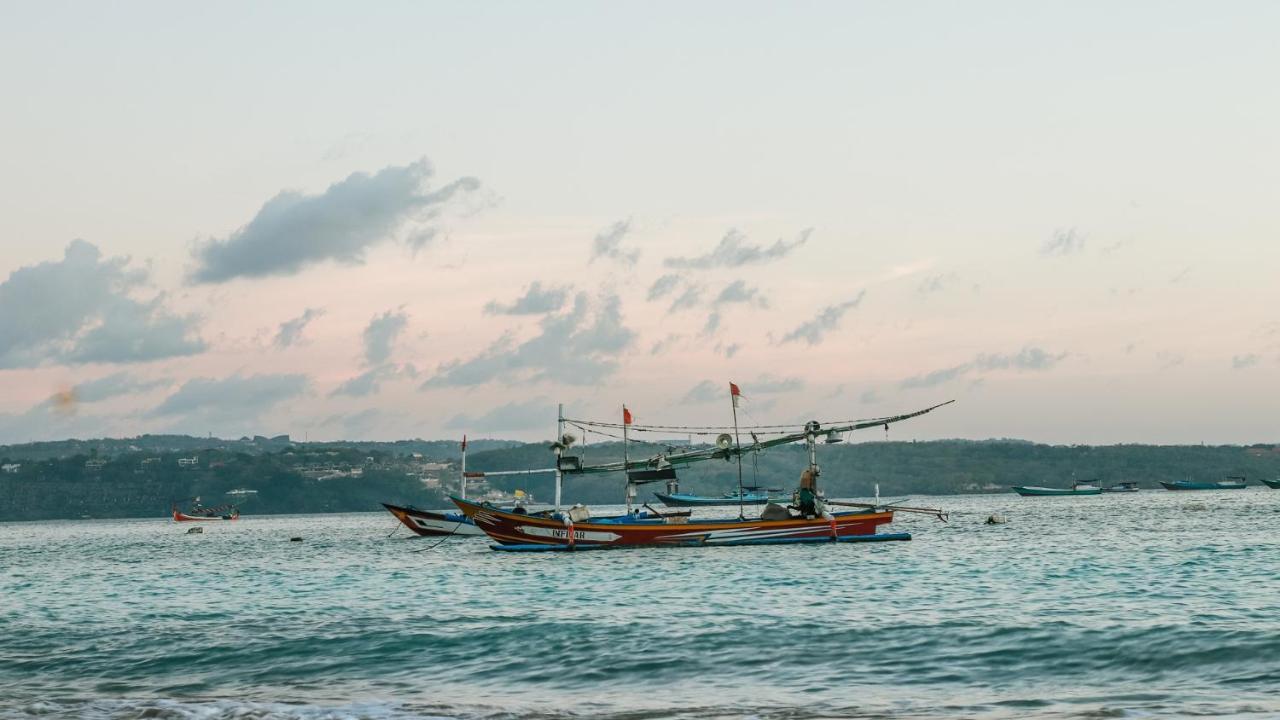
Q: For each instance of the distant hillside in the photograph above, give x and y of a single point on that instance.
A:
(257, 445)
(140, 477)
(902, 468)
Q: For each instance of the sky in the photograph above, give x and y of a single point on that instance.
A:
(393, 220)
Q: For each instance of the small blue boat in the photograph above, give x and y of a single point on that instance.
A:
(729, 498)
(1122, 487)
(1230, 483)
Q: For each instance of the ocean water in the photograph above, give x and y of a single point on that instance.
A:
(1155, 604)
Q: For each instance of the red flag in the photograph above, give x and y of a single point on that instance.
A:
(734, 393)
(464, 443)
(626, 415)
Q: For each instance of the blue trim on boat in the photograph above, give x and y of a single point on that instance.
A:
(878, 537)
(686, 500)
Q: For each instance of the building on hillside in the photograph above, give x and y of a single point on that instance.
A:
(11, 467)
(190, 462)
(95, 464)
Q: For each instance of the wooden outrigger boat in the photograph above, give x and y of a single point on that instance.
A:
(1229, 483)
(433, 522)
(1273, 484)
(575, 529)
(438, 523)
(1079, 488)
(528, 532)
(199, 513)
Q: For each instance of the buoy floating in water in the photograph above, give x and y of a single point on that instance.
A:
(295, 539)
(997, 519)
(195, 531)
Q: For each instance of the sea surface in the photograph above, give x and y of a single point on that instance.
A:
(1154, 604)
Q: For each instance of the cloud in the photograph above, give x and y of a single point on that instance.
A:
(1062, 243)
(665, 343)
(728, 350)
(869, 397)
(237, 399)
(814, 331)
(366, 383)
(513, 416)
(380, 336)
(768, 384)
(705, 392)
(935, 283)
(689, 299)
(937, 377)
(578, 347)
(1240, 362)
(293, 231)
(663, 286)
(421, 238)
(733, 252)
(712, 324)
(607, 242)
(738, 292)
(81, 309)
(535, 301)
(110, 386)
(1028, 359)
(290, 331)
(1169, 360)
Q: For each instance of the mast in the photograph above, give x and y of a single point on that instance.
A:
(734, 394)
(630, 488)
(559, 451)
(462, 479)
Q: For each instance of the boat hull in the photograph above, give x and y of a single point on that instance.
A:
(1186, 485)
(1273, 484)
(179, 516)
(1033, 491)
(433, 523)
(525, 530)
(680, 500)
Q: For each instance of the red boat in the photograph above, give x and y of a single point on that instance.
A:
(518, 531)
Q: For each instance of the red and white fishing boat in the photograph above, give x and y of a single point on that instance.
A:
(545, 531)
(575, 529)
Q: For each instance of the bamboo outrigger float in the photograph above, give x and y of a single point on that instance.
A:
(575, 529)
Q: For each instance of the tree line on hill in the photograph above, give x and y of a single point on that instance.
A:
(142, 477)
